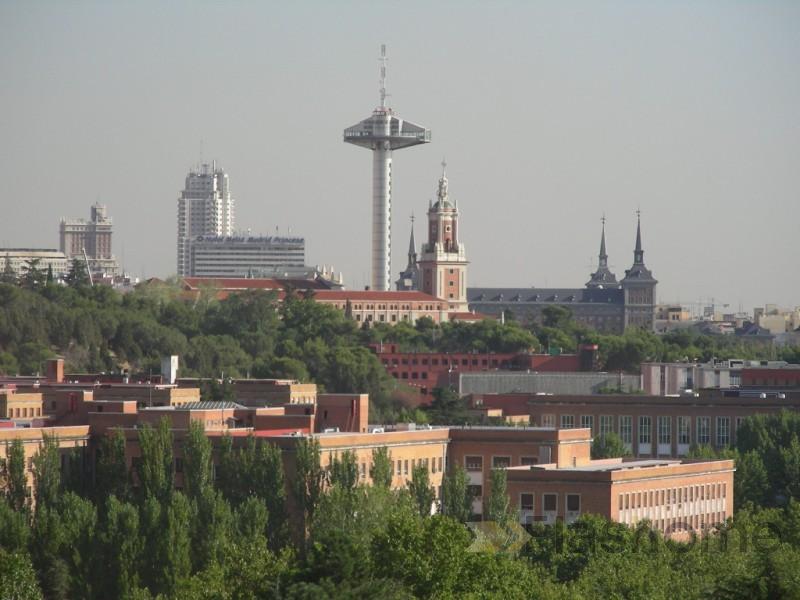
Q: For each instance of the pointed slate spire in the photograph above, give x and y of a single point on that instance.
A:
(638, 253)
(412, 245)
(638, 272)
(603, 277)
(603, 255)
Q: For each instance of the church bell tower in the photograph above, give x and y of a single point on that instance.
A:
(443, 262)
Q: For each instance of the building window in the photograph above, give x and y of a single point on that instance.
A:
(526, 461)
(664, 430)
(549, 502)
(573, 503)
(645, 435)
(606, 424)
(567, 421)
(526, 501)
(684, 435)
(723, 432)
(473, 463)
(703, 431)
(405, 467)
(626, 429)
(587, 421)
(501, 462)
(548, 420)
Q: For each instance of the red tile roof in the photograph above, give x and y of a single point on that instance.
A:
(194, 283)
(375, 296)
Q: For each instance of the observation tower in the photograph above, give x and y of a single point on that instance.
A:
(382, 133)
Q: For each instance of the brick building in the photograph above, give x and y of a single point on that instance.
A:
(551, 475)
(425, 371)
(650, 426)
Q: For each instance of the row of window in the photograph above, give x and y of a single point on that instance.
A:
(664, 428)
(572, 502)
(475, 462)
(673, 496)
(413, 375)
(483, 362)
(401, 467)
(24, 413)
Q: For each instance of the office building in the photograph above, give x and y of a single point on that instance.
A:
(18, 260)
(246, 256)
(205, 208)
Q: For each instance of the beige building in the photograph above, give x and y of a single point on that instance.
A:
(18, 259)
(93, 237)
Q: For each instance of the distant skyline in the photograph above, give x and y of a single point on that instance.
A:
(549, 114)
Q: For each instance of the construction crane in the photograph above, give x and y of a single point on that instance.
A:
(88, 270)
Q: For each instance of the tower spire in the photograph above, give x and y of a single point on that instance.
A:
(603, 255)
(412, 246)
(638, 253)
(602, 277)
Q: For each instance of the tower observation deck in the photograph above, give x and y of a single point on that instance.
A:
(382, 133)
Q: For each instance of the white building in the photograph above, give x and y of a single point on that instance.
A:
(17, 259)
(214, 256)
(205, 208)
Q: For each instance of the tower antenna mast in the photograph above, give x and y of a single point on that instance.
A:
(382, 60)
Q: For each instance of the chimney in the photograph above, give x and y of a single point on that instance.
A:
(54, 370)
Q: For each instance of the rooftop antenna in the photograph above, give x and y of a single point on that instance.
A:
(382, 61)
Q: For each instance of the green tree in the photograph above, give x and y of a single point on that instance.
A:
(8, 275)
(14, 475)
(8, 364)
(309, 480)
(32, 275)
(343, 471)
(497, 507)
(156, 465)
(111, 476)
(196, 461)
(15, 530)
(47, 471)
(175, 544)
(447, 407)
(121, 553)
(456, 499)
(271, 488)
(421, 491)
(381, 469)
(751, 483)
(77, 276)
(17, 577)
(609, 445)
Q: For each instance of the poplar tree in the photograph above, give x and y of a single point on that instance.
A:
(456, 499)
(421, 490)
(381, 469)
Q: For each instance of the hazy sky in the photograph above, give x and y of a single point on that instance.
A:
(549, 114)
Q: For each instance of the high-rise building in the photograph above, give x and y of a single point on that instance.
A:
(93, 237)
(382, 133)
(443, 261)
(205, 208)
